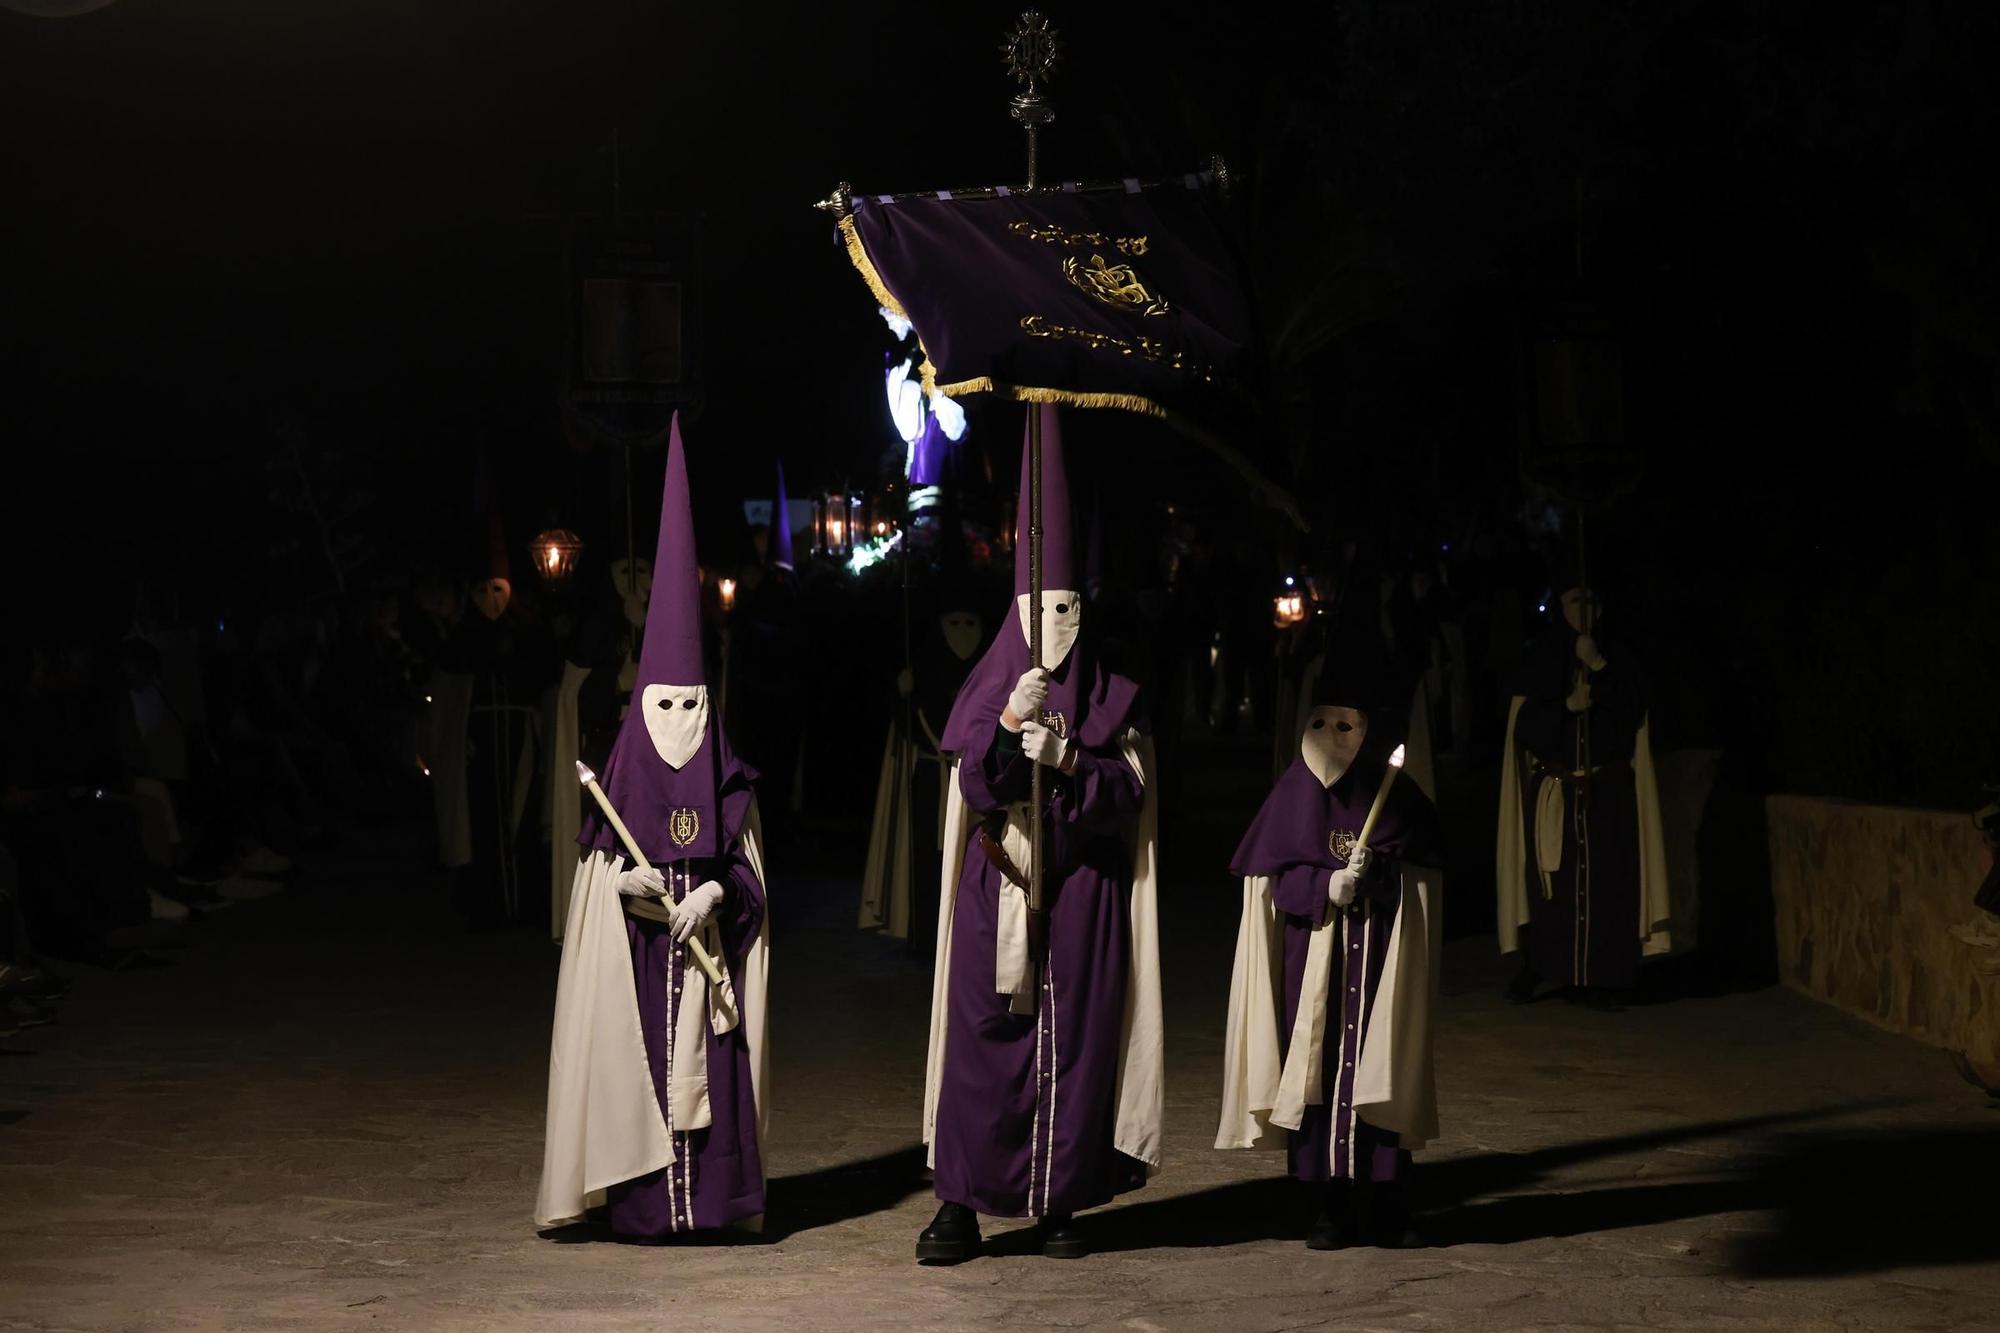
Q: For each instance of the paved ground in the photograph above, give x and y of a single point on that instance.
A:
(329, 1117)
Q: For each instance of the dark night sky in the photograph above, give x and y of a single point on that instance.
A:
(223, 221)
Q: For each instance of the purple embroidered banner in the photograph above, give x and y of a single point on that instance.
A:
(1127, 298)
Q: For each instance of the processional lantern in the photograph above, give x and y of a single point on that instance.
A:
(557, 552)
(835, 516)
(1288, 608)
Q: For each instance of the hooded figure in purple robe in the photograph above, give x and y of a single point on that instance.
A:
(1043, 1092)
(1580, 865)
(1329, 1029)
(656, 1126)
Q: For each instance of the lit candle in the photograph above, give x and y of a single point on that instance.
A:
(589, 780)
(727, 589)
(1381, 797)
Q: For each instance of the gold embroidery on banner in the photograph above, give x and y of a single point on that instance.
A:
(1116, 285)
(1341, 843)
(684, 826)
(1054, 235)
(1153, 349)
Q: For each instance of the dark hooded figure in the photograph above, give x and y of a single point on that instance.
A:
(656, 1125)
(496, 668)
(1329, 1031)
(1581, 862)
(1043, 1093)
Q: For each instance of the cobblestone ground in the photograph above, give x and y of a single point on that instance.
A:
(328, 1116)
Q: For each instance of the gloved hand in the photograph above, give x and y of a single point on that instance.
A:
(1586, 653)
(697, 907)
(905, 682)
(1346, 881)
(641, 882)
(1579, 698)
(1042, 745)
(1031, 691)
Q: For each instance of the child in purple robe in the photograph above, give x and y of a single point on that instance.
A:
(1330, 1004)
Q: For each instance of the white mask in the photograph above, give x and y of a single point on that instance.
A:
(1332, 738)
(1062, 618)
(634, 581)
(492, 596)
(962, 632)
(1574, 603)
(676, 719)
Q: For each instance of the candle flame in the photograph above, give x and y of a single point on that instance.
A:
(583, 773)
(1396, 759)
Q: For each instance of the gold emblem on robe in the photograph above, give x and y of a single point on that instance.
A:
(1056, 722)
(1341, 843)
(684, 826)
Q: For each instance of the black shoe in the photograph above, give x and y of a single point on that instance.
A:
(1602, 1000)
(1383, 1217)
(1521, 990)
(34, 982)
(1333, 1227)
(1062, 1238)
(20, 1013)
(951, 1238)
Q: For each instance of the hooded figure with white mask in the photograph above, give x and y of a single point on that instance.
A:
(657, 1125)
(1043, 1092)
(1580, 864)
(1329, 1027)
(904, 837)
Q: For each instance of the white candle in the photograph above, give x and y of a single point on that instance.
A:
(1381, 796)
(589, 780)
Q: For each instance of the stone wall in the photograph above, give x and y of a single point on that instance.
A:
(1875, 917)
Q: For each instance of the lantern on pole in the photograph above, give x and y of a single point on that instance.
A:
(835, 516)
(556, 554)
(1288, 608)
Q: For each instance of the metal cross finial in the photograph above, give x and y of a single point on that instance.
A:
(1031, 52)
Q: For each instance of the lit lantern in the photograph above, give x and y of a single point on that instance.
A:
(835, 518)
(1288, 608)
(726, 590)
(556, 554)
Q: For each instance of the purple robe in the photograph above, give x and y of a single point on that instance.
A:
(1027, 1102)
(1296, 839)
(1586, 931)
(717, 1175)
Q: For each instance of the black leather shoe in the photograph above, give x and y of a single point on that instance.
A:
(1062, 1238)
(1383, 1216)
(1521, 990)
(1602, 1000)
(951, 1238)
(1333, 1227)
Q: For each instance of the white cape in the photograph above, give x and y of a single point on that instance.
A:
(1510, 861)
(1267, 1081)
(565, 796)
(604, 1118)
(885, 875)
(1141, 1085)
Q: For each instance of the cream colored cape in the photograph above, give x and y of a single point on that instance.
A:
(565, 808)
(885, 875)
(1510, 863)
(1141, 1088)
(1269, 1077)
(444, 750)
(604, 1118)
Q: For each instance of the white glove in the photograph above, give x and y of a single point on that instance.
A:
(1586, 652)
(1579, 698)
(697, 907)
(641, 882)
(1042, 745)
(905, 682)
(1031, 691)
(1346, 881)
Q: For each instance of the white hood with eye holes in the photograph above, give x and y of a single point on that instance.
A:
(1332, 738)
(1062, 620)
(676, 719)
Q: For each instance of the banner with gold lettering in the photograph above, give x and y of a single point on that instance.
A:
(1126, 297)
